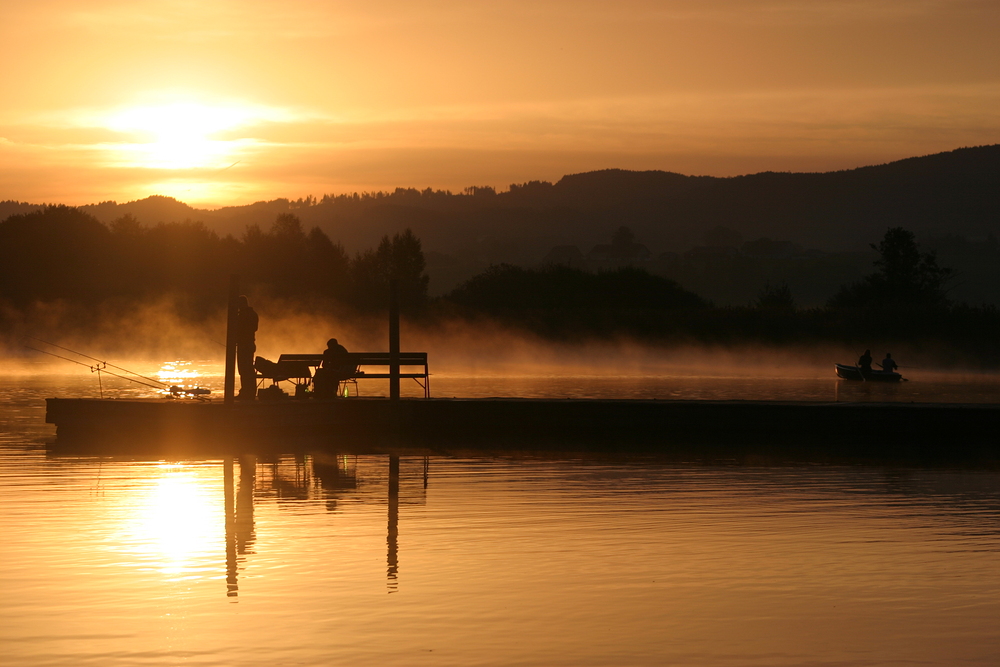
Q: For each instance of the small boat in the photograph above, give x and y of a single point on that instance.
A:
(854, 373)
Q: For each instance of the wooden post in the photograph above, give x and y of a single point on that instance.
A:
(234, 304)
(394, 340)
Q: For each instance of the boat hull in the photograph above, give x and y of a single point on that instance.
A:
(854, 373)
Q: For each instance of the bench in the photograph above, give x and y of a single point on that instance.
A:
(298, 368)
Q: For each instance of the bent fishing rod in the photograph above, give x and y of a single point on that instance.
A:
(102, 366)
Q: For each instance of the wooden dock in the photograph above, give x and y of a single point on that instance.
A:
(853, 430)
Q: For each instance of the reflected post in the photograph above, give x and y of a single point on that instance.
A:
(243, 520)
(392, 536)
(232, 587)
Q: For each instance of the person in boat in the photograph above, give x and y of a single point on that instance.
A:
(336, 366)
(246, 346)
(888, 364)
(865, 364)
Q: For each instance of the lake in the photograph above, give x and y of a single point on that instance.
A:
(328, 558)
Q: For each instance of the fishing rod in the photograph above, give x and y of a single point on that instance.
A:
(102, 367)
(102, 363)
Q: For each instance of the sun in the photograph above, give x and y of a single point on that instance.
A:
(179, 135)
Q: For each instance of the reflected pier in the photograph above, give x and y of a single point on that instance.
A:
(392, 530)
(332, 477)
(239, 516)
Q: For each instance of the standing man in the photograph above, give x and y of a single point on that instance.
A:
(246, 346)
(865, 362)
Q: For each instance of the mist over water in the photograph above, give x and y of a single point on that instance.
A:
(67, 381)
(480, 359)
(162, 330)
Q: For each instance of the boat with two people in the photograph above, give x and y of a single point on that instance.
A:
(851, 372)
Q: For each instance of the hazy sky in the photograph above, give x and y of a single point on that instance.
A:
(218, 102)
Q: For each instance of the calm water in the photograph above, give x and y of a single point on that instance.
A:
(320, 561)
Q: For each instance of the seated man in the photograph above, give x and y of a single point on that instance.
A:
(336, 366)
(888, 364)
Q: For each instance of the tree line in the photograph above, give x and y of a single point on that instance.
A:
(62, 253)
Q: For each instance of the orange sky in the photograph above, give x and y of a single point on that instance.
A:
(231, 102)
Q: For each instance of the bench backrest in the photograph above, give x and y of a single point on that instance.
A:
(362, 358)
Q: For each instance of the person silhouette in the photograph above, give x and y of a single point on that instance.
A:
(336, 366)
(888, 364)
(246, 346)
(865, 362)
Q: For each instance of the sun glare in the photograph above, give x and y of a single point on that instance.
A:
(180, 135)
(178, 521)
(177, 370)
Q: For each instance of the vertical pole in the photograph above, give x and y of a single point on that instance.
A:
(394, 340)
(234, 297)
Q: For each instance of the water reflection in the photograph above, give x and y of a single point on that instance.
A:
(334, 475)
(392, 536)
(653, 560)
(171, 519)
(239, 517)
(232, 586)
(244, 523)
(584, 560)
(302, 478)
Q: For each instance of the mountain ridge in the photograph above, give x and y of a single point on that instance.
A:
(933, 195)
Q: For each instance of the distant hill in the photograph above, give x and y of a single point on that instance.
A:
(933, 196)
(149, 210)
(11, 207)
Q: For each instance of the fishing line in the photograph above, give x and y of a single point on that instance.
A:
(99, 369)
(100, 361)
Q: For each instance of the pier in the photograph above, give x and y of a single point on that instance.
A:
(684, 429)
(669, 427)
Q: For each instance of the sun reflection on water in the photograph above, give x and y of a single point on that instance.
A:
(181, 376)
(177, 521)
(177, 370)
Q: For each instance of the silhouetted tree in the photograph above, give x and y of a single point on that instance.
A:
(58, 252)
(623, 239)
(481, 191)
(286, 252)
(723, 237)
(400, 258)
(328, 266)
(130, 246)
(776, 297)
(185, 259)
(505, 288)
(127, 226)
(906, 278)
